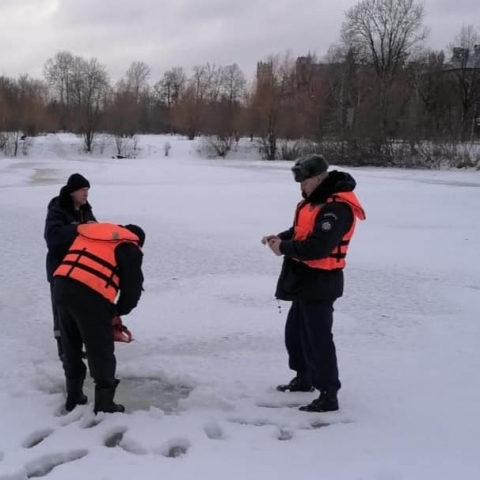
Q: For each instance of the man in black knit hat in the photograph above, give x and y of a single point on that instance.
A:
(65, 211)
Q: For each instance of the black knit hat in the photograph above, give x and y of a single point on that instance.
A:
(76, 182)
(136, 230)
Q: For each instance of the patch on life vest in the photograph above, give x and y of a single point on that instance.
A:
(326, 225)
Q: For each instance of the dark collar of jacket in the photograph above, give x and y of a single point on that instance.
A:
(336, 182)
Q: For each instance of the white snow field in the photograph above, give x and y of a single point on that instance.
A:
(199, 380)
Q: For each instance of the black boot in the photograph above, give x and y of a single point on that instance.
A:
(326, 402)
(75, 395)
(104, 394)
(297, 384)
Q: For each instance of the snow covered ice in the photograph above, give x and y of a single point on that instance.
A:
(198, 381)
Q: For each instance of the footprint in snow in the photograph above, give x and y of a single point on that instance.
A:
(323, 423)
(130, 445)
(115, 437)
(213, 431)
(90, 421)
(36, 438)
(284, 434)
(42, 466)
(176, 448)
(279, 404)
(258, 422)
(69, 417)
(320, 424)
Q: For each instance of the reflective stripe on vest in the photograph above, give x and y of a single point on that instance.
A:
(305, 218)
(91, 258)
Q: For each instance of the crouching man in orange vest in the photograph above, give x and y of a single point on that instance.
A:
(314, 251)
(100, 277)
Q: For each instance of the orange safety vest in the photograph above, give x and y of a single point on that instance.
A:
(91, 257)
(305, 217)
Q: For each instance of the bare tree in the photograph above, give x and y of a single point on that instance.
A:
(187, 112)
(136, 82)
(58, 74)
(167, 93)
(233, 83)
(201, 91)
(10, 116)
(344, 90)
(311, 79)
(199, 82)
(190, 111)
(169, 89)
(229, 113)
(22, 111)
(214, 80)
(90, 88)
(434, 98)
(137, 78)
(223, 109)
(464, 68)
(274, 88)
(32, 97)
(123, 112)
(383, 34)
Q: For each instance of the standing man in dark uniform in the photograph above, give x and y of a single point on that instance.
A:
(314, 251)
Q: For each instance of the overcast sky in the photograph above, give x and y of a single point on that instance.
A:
(169, 33)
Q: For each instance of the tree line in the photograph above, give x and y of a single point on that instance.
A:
(378, 97)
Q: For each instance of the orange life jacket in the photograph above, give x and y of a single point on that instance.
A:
(305, 217)
(91, 257)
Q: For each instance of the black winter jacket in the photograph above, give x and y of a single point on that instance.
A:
(61, 228)
(298, 281)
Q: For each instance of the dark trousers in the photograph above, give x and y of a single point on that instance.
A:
(56, 324)
(94, 329)
(56, 321)
(309, 342)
